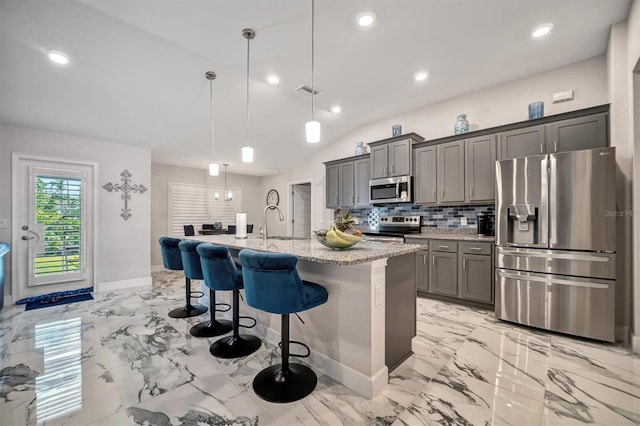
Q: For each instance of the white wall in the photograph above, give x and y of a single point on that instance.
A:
(487, 108)
(123, 246)
(253, 200)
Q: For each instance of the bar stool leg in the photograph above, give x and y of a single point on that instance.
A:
(213, 327)
(286, 382)
(189, 310)
(237, 345)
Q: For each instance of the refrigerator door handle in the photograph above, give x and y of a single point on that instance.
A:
(553, 256)
(553, 280)
(544, 214)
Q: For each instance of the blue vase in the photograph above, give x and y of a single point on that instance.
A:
(360, 148)
(536, 110)
(462, 125)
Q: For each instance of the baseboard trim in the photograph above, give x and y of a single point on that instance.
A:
(635, 344)
(8, 300)
(623, 334)
(123, 284)
(157, 268)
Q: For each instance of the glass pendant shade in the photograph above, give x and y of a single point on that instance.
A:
(247, 154)
(312, 129)
(214, 169)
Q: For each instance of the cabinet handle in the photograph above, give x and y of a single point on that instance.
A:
(464, 263)
(433, 261)
(443, 247)
(555, 146)
(475, 248)
(541, 148)
(471, 191)
(434, 195)
(442, 193)
(358, 199)
(384, 170)
(393, 169)
(424, 259)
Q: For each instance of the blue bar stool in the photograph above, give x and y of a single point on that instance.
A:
(172, 260)
(220, 274)
(272, 284)
(193, 271)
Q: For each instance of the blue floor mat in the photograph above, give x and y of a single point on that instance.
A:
(58, 300)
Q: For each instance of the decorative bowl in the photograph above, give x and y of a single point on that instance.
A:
(323, 240)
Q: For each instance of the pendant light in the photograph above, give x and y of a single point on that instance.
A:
(214, 168)
(312, 128)
(247, 151)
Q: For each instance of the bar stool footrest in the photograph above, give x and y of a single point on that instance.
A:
(274, 384)
(225, 305)
(196, 294)
(248, 318)
(297, 343)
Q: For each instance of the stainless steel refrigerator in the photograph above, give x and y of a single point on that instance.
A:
(556, 242)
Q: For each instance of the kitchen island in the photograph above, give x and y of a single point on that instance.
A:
(366, 328)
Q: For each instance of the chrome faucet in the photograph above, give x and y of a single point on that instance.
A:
(264, 219)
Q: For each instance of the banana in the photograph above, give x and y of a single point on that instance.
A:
(351, 238)
(335, 240)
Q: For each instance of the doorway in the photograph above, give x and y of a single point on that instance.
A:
(300, 224)
(52, 225)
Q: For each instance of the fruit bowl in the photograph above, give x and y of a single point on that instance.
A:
(341, 246)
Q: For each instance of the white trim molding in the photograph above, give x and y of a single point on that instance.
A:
(8, 300)
(157, 268)
(123, 284)
(635, 344)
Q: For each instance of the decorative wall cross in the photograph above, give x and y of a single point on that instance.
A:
(126, 189)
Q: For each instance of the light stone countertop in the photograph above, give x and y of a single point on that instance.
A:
(312, 251)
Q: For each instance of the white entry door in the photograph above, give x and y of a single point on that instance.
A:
(301, 218)
(52, 226)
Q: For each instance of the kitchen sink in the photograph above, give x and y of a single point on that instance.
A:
(287, 237)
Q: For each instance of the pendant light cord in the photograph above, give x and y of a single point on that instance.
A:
(248, 42)
(313, 20)
(213, 147)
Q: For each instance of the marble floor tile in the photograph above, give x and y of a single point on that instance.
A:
(127, 362)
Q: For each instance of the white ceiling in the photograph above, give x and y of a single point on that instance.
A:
(137, 70)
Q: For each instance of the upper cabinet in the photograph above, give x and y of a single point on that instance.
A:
(424, 168)
(347, 183)
(450, 171)
(392, 157)
(480, 168)
(571, 134)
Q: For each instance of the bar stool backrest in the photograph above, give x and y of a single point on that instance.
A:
(218, 269)
(171, 257)
(191, 259)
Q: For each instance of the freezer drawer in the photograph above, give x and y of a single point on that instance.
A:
(559, 262)
(578, 306)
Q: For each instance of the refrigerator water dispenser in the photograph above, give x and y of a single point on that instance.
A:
(523, 224)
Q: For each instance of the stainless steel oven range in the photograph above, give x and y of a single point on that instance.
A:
(394, 228)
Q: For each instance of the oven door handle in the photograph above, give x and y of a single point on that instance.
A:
(397, 190)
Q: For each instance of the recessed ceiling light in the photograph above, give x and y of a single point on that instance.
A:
(421, 75)
(58, 57)
(336, 109)
(366, 19)
(541, 30)
(273, 79)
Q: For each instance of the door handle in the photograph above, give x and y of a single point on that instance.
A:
(541, 148)
(555, 146)
(424, 259)
(384, 170)
(25, 238)
(471, 191)
(433, 261)
(475, 248)
(358, 199)
(464, 263)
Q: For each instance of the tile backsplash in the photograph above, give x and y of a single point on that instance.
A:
(432, 216)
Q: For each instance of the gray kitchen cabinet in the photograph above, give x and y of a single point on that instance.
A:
(400, 158)
(476, 277)
(480, 168)
(443, 273)
(424, 166)
(577, 133)
(522, 142)
(422, 270)
(379, 161)
(361, 182)
(333, 184)
(345, 191)
(450, 172)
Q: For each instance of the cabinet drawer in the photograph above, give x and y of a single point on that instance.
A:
(444, 245)
(420, 241)
(476, 248)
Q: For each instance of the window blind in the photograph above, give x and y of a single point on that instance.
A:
(197, 204)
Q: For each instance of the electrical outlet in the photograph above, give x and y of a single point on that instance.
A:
(379, 295)
(463, 221)
(3, 223)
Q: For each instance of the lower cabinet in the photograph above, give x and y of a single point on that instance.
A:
(458, 269)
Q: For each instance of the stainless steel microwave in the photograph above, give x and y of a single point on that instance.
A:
(391, 190)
